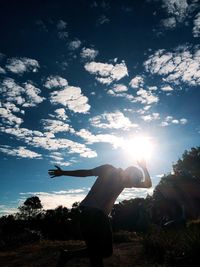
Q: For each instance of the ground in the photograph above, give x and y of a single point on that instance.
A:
(45, 254)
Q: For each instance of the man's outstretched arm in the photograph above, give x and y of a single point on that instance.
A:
(147, 179)
(77, 173)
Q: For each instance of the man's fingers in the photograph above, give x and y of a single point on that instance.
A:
(57, 167)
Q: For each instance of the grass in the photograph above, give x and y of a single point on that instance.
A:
(45, 254)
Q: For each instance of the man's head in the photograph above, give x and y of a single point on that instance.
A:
(133, 176)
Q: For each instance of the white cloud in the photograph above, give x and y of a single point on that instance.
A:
(90, 138)
(55, 81)
(146, 97)
(48, 141)
(63, 35)
(20, 152)
(170, 120)
(118, 88)
(177, 8)
(115, 120)
(61, 24)
(196, 28)
(137, 82)
(169, 23)
(181, 65)
(72, 98)
(151, 117)
(167, 88)
(183, 121)
(152, 88)
(74, 45)
(2, 71)
(89, 53)
(177, 12)
(32, 95)
(130, 193)
(51, 200)
(26, 96)
(60, 114)
(9, 118)
(21, 65)
(107, 73)
(55, 126)
(102, 20)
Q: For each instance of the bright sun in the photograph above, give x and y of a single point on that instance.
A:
(140, 147)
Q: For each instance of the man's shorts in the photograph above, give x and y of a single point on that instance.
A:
(96, 231)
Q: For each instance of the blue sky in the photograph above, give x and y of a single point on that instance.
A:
(80, 79)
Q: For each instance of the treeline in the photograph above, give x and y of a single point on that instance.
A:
(175, 200)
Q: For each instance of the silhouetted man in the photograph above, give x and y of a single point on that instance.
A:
(96, 206)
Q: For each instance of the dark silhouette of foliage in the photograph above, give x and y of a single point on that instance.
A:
(177, 196)
(31, 207)
(131, 215)
(189, 164)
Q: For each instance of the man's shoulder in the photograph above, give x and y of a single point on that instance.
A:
(103, 169)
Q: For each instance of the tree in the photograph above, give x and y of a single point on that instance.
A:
(31, 207)
(189, 164)
(177, 194)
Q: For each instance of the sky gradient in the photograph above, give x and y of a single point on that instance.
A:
(79, 79)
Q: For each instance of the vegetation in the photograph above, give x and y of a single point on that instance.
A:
(166, 224)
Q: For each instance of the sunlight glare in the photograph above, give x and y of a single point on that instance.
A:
(140, 147)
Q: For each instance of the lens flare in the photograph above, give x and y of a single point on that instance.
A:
(140, 147)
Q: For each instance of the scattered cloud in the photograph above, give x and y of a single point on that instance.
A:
(151, 117)
(48, 141)
(55, 82)
(60, 114)
(176, 8)
(102, 20)
(63, 35)
(196, 28)
(26, 95)
(137, 82)
(56, 126)
(180, 65)
(169, 23)
(20, 152)
(2, 71)
(21, 65)
(171, 120)
(167, 88)
(119, 88)
(9, 118)
(89, 53)
(41, 25)
(146, 97)
(72, 98)
(61, 24)
(115, 120)
(32, 95)
(74, 45)
(107, 73)
(90, 138)
(177, 12)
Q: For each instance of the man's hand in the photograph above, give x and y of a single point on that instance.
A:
(56, 172)
(142, 163)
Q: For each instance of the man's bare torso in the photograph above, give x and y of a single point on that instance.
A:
(106, 188)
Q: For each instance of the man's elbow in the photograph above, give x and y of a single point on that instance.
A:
(147, 185)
